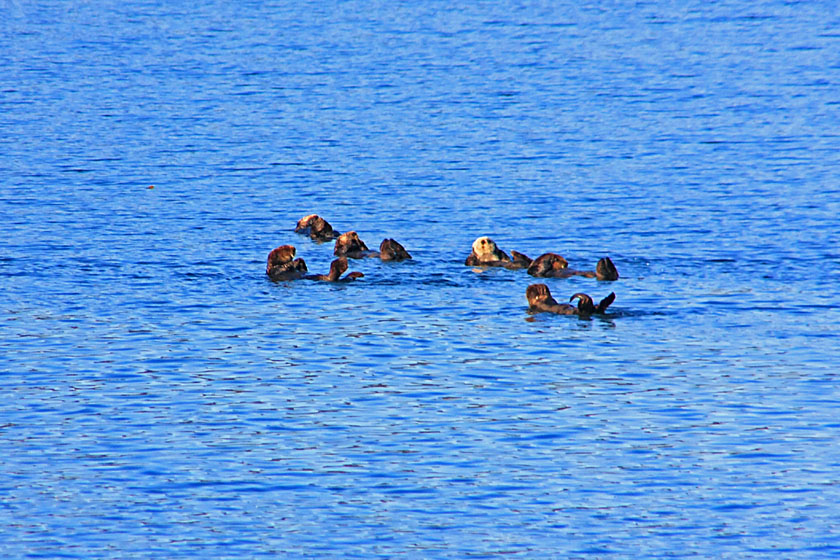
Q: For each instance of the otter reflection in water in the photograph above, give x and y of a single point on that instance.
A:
(540, 300)
(552, 265)
(281, 266)
(316, 227)
(486, 253)
(351, 245)
(337, 268)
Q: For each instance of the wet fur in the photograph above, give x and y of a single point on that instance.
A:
(540, 300)
(316, 227)
(337, 268)
(281, 264)
(552, 265)
(350, 245)
(485, 252)
(391, 250)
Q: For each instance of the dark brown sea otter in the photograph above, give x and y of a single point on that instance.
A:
(540, 300)
(337, 268)
(552, 265)
(350, 245)
(391, 250)
(486, 253)
(281, 266)
(316, 227)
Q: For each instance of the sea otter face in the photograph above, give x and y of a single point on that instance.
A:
(316, 227)
(349, 243)
(280, 265)
(547, 265)
(485, 250)
(306, 222)
(390, 250)
(539, 294)
(280, 256)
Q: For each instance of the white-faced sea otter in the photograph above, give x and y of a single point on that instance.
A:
(486, 253)
(350, 245)
(316, 227)
(552, 265)
(281, 266)
(540, 300)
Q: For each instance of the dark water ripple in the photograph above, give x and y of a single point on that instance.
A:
(162, 398)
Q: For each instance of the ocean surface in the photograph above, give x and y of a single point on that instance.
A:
(160, 397)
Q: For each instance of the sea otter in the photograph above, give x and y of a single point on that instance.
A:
(540, 300)
(280, 265)
(552, 265)
(316, 227)
(337, 268)
(350, 245)
(486, 253)
(390, 250)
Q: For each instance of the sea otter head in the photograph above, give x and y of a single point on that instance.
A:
(539, 295)
(485, 250)
(316, 227)
(280, 256)
(390, 250)
(547, 265)
(306, 222)
(349, 243)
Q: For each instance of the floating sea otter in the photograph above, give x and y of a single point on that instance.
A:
(281, 266)
(552, 265)
(337, 268)
(316, 227)
(391, 250)
(486, 253)
(540, 300)
(350, 245)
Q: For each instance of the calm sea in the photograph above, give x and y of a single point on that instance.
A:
(161, 398)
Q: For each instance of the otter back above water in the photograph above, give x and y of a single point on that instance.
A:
(163, 398)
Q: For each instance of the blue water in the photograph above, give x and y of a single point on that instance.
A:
(161, 398)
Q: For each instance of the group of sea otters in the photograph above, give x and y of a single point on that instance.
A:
(282, 265)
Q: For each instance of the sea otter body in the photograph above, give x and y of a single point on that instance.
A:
(552, 265)
(486, 253)
(282, 265)
(351, 246)
(316, 227)
(540, 300)
(337, 268)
